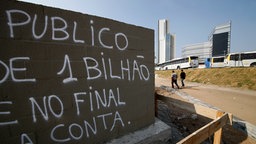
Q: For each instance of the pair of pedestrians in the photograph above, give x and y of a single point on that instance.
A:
(175, 77)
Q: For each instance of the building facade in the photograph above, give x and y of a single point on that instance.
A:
(218, 44)
(166, 42)
(221, 38)
(202, 50)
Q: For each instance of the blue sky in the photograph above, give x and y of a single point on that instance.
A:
(191, 20)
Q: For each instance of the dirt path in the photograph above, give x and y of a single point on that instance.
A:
(241, 103)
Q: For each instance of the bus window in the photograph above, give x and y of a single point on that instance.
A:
(193, 57)
(234, 57)
(220, 59)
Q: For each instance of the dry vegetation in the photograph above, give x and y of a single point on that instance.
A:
(244, 78)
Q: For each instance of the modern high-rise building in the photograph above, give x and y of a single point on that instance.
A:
(220, 38)
(218, 44)
(166, 42)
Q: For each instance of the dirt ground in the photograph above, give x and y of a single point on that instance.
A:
(241, 103)
(238, 102)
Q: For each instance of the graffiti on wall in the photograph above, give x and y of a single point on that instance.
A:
(88, 95)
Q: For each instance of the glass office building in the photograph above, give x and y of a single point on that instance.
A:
(218, 44)
(220, 38)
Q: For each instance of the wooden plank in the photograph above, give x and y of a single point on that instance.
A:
(218, 133)
(205, 111)
(206, 131)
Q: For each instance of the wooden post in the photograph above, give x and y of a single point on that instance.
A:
(218, 133)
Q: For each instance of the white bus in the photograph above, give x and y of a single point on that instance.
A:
(243, 59)
(217, 62)
(180, 63)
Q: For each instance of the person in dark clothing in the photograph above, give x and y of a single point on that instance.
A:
(174, 79)
(182, 77)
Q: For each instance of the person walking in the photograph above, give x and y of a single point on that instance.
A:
(182, 77)
(174, 79)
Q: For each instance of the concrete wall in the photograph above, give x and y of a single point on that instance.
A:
(67, 77)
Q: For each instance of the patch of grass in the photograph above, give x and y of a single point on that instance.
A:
(231, 77)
